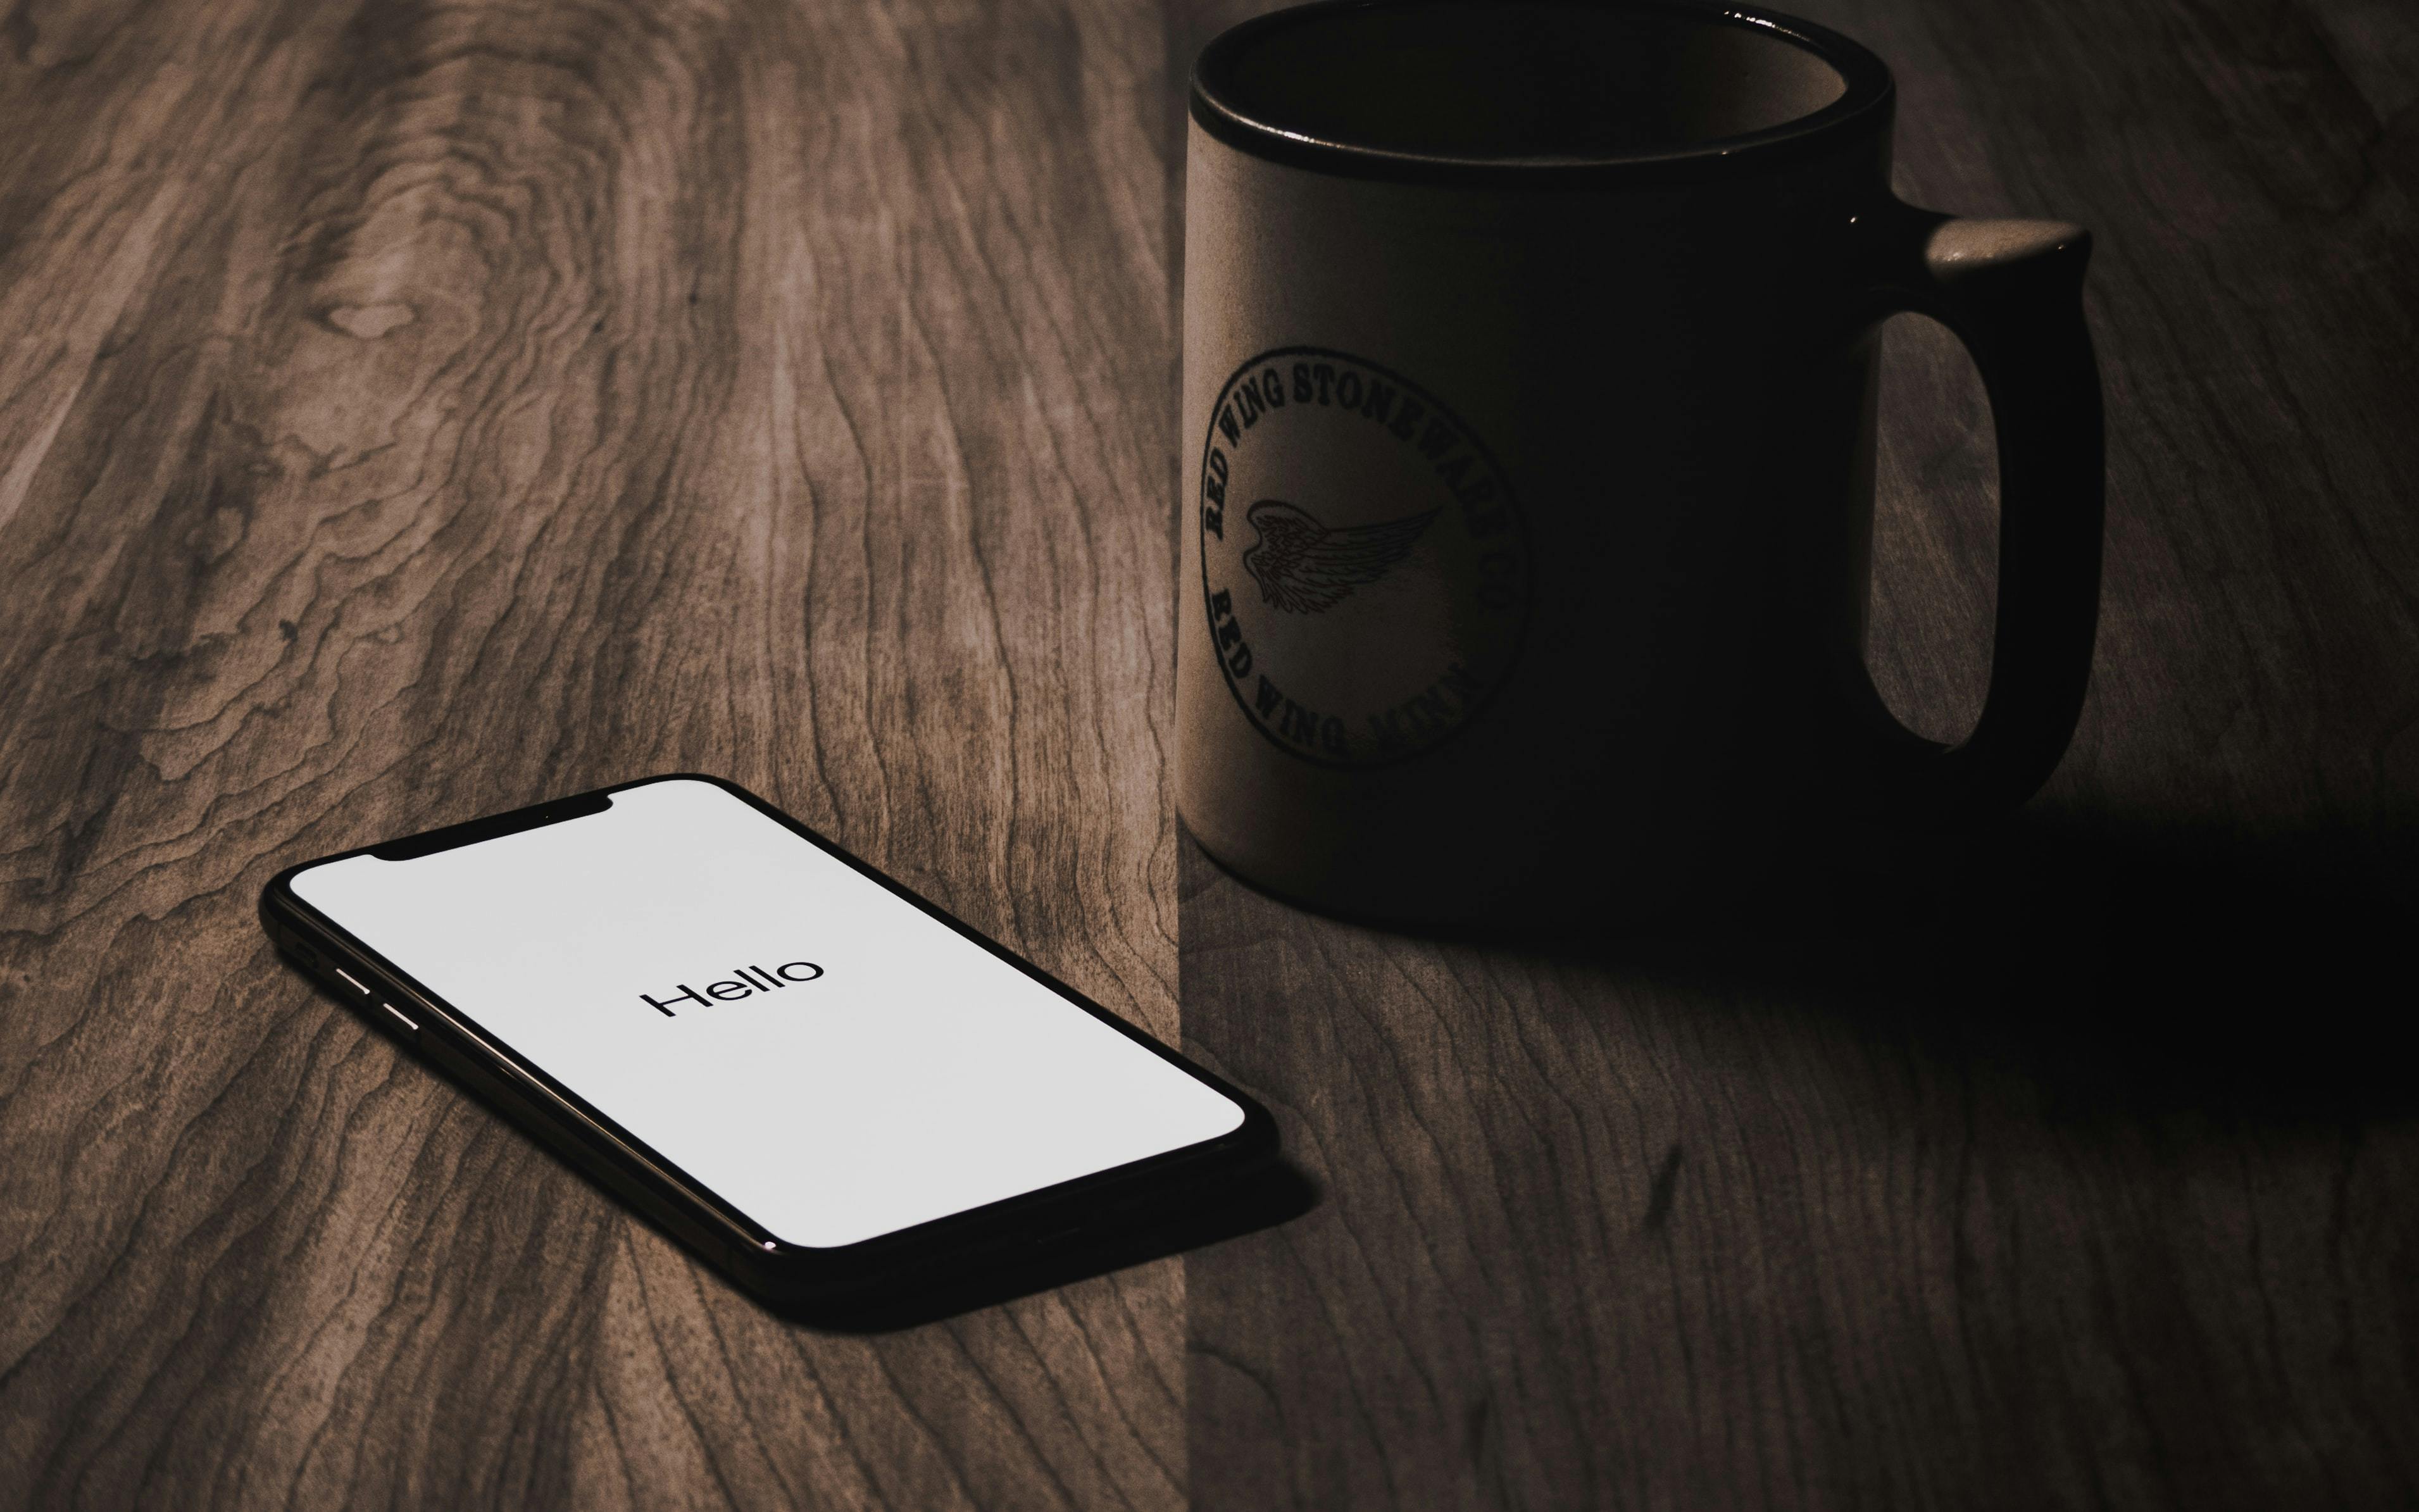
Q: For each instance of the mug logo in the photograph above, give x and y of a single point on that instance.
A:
(1304, 566)
(1363, 562)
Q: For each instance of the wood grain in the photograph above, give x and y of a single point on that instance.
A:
(409, 410)
(2072, 1165)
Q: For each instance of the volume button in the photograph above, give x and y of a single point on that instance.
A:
(399, 1018)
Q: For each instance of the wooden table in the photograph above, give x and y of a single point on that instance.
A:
(409, 410)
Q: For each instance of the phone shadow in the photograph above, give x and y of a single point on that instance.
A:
(1229, 1208)
(1277, 1194)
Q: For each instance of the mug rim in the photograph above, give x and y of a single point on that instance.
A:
(1869, 88)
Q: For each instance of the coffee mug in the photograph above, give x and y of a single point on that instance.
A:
(1529, 407)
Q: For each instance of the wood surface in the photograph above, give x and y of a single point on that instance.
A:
(411, 411)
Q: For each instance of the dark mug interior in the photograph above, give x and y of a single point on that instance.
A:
(1534, 82)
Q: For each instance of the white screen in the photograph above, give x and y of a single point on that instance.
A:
(918, 1075)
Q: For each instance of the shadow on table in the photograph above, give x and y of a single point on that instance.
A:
(1241, 1204)
(1277, 1195)
(2121, 962)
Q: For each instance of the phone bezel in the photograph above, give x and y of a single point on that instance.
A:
(662, 1190)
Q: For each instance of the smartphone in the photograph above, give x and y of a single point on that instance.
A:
(816, 1079)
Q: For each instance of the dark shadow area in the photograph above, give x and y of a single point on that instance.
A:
(2121, 965)
(2124, 965)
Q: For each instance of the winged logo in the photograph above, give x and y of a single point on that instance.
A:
(1305, 567)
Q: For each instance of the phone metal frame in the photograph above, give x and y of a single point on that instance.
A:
(631, 1170)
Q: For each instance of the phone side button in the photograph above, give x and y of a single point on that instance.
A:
(399, 1018)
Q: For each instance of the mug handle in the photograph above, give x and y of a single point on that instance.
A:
(2012, 292)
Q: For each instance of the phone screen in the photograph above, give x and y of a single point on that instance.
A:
(817, 1051)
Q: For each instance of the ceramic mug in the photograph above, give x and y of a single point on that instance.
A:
(1529, 407)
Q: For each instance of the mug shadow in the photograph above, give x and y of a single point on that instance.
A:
(2121, 962)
